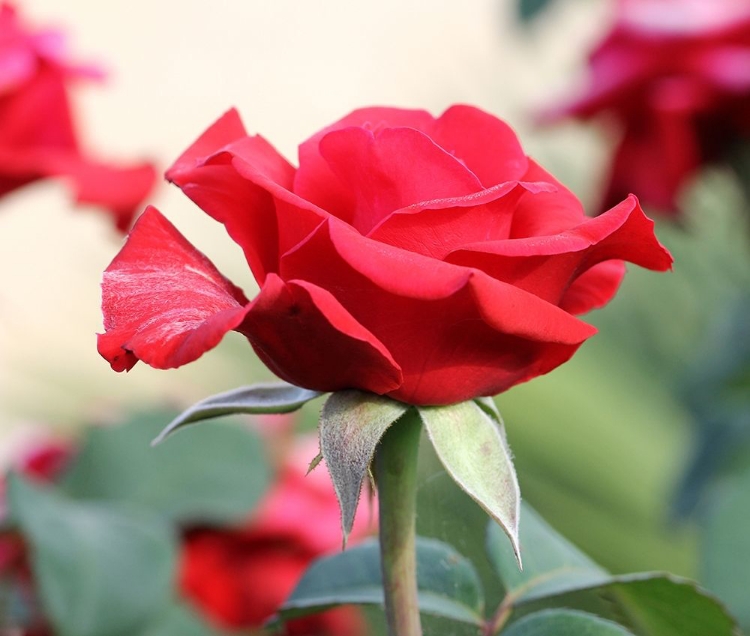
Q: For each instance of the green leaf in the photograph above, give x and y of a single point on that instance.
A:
(100, 569)
(178, 621)
(215, 474)
(472, 448)
(552, 565)
(351, 425)
(650, 604)
(725, 537)
(664, 605)
(564, 623)
(530, 9)
(262, 398)
(447, 582)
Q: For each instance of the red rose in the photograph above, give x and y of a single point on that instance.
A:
(239, 578)
(38, 137)
(426, 259)
(674, 77)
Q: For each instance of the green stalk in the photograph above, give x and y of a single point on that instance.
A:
(396, 478)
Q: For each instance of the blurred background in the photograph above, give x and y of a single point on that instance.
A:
(625, 449)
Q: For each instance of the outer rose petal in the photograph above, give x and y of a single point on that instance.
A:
(163, 301)
(225, 130)
(244, 183)
(594, 288)
(548, 266)
(304, 335)
(456, 333)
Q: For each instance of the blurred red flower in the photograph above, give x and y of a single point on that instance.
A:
(239, 577)
(38, 135)
(674, 78)
(236, 578)
(427, 259)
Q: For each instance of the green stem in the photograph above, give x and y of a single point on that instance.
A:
(501, 616)
(396, 478)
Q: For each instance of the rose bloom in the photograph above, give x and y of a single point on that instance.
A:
(429, 260)
(673, 79)
(238, 578)
(38, 135)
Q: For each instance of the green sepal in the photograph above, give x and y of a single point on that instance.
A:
(471, 445)
(351, 425)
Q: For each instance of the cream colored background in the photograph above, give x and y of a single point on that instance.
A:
(290, 66)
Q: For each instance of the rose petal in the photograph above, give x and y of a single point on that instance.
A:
(304, 335)
(546, 212)
(206, 173)
(163, 301)
(435, 228)
(315, 180)
(487, 146)
(726, 64)
(655, 157)
(548, 266)
(391, 169)
(118, 189)
(16, 66)
(39, 116)
(225, 130)
(594, 288)
(456, 332)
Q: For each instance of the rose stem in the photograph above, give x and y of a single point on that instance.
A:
(396, 478)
